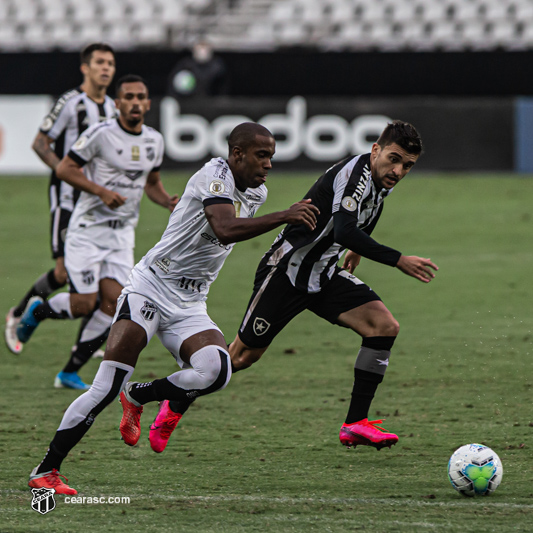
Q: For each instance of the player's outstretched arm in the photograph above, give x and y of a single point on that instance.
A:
(70, 172)
(42, 147)
(417, 267)
(156, 192)
(229, 229)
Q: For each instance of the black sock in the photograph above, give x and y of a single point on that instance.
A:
(43, 311)
(45, 285)
(364, 387)
(180, 406)
(158, 390)
(83, 351)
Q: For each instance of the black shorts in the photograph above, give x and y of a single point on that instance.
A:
(58, 231)
(275, 302)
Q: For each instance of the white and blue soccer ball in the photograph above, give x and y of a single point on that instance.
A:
(475, 469)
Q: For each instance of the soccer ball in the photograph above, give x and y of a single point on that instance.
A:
(474, 469)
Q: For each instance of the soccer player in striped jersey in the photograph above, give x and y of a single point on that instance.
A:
(73, 112)
(166, 294)
(300, 272)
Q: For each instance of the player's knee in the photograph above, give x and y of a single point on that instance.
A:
(390, 328)
(213, 366)
(245, 358)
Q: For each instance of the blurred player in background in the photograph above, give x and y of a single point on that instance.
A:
(166, 294)
(121, 159)
(300, 272)
(73, 112)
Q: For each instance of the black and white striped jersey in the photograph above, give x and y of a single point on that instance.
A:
(350, 205)
(72, 113)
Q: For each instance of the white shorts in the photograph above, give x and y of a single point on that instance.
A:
(87, 264)
(147, 301)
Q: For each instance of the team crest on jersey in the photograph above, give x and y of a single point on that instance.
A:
(260, 326)
(43, 500)
(80, 143)
(216, 187)
(87, 276)
(148, 310)
(150, 153)
(349, 203)
(135, 153)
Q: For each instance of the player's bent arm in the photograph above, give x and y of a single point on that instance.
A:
(70, 171)
(229, 229)
(156, 192)
(347, 234)
(42, 146)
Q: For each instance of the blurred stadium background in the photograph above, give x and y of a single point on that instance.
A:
(323, 74)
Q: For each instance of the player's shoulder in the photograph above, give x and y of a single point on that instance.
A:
(217, 168)
(65, 102)
(99, 128)
(151, 134)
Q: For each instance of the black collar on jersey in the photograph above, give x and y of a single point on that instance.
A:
(128, 131)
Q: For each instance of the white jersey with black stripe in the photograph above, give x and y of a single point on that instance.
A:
(119, 161)
(72, 113)
(189, 256)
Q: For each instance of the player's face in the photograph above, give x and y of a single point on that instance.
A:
(390, 164)
(133, 102)
(101, 68)
(252, 165)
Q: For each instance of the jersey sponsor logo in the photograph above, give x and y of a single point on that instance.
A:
(60, 103)
(150, 153)
(133, 174)
(349, 203)
(215, 241)
(252, 197)
(221, 171)
(217, 187)
(80, 143)
(135, 153)
(119, 151)
(148, 310)
(261, 326)
(43, 500)
(361, 186)
(87, 276)
(163, 264)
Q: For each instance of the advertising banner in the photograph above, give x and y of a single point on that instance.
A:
(20, 118)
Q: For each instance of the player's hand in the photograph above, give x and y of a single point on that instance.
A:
(417, 267)
(302, 212)
(111, 198)
(351, 261)
(173, 202)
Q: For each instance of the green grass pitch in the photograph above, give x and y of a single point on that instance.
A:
(263, 455)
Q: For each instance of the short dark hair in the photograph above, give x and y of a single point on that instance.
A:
(244, 135)
(87, 52)
(404, 135)
(128, 78)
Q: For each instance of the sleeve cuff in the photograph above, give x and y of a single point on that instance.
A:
(75, 157)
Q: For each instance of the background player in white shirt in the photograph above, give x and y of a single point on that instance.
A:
(121, 159)
(73, 112)
(165, 295)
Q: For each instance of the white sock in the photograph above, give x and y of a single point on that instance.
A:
(97, 326)
(108, 382)
(61, 303)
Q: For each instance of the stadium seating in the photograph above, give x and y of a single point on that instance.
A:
(386, 25)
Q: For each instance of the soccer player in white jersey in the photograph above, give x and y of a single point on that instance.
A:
(300, 272)
(165, 295)
(121, 160)
(73, 112)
